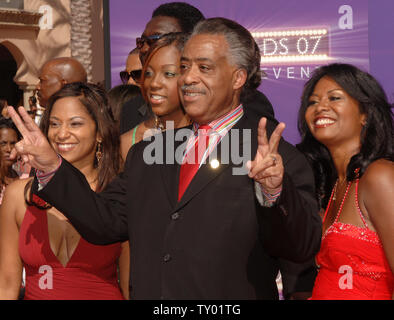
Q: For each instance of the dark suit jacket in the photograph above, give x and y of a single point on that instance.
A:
(217, 242)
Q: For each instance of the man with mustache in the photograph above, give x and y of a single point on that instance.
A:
(198, 231)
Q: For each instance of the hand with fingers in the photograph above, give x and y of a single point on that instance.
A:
(34, 148)
(267, 167)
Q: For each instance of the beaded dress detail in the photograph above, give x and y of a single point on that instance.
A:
(353, 265)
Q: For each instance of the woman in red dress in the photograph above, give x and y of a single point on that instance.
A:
(59, 264)
(346, 125)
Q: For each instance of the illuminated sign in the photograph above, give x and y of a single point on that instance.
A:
(308, 45)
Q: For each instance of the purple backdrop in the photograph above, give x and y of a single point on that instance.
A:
(347, 39)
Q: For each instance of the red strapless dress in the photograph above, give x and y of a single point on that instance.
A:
(90, 274)
(352, 263)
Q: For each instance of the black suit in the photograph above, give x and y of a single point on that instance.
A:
(217, 242)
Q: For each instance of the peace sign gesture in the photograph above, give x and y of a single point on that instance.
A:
(267, 166)
(34, 148)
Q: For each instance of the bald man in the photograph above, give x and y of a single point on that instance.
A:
(55, 73)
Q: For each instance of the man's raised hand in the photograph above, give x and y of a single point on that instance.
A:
(34, 148)
(267, 166)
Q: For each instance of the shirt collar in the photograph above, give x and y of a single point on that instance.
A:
(225, 122)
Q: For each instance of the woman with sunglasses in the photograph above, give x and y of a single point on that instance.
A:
(132, 74)
(59, 263)
(159, 88)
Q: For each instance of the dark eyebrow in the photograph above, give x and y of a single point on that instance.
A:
(185, 59)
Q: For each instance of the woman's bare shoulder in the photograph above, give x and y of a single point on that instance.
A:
(16, 188)
(379, 173)
(376, 189)
(13, 203)
(126, 135)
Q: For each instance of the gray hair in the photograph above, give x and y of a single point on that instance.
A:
(243, 49)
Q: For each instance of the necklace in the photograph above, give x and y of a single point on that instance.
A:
(159, 124)
(333, 199)
(336, 187)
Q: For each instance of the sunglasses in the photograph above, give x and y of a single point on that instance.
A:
(134, 74)
(149, 40)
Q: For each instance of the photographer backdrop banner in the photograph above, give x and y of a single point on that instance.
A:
(294, 37)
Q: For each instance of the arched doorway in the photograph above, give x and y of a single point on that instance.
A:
(9, 90)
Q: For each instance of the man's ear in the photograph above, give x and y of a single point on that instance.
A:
(240, 76)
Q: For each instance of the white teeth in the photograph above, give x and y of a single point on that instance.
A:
(192, 94)
(156, 97)
(65, 146)
(324, 121)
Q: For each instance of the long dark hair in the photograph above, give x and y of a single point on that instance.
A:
(118, 95)
(94, 99)
(376, 137)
